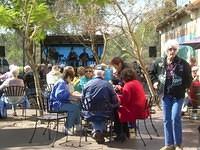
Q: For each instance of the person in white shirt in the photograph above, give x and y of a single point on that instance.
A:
(54, 75)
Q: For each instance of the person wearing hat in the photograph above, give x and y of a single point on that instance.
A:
(171, 76)
(98, 101)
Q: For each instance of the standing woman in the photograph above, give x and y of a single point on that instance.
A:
(172, 76)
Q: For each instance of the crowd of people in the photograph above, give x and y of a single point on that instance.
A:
(117, 91)
(72, 87)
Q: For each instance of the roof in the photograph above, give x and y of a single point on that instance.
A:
(71, 39)
(195, 43)
(179, 14)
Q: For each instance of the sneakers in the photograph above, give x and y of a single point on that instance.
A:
(78, 128)
(171, 147)
(98, 136)
(178, 148)
(68, 131)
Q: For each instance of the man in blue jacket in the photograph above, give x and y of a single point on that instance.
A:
(98, 103)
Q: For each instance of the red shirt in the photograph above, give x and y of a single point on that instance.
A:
(194, 90)
(132, 102)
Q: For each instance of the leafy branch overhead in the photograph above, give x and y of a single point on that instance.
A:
(32, 16)
(30, 19)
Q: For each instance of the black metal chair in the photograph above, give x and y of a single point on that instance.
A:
(148, 105)
(49, 116)
(14, 95)
(85, 123)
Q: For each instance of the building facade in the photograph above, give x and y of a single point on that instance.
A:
(182, 25)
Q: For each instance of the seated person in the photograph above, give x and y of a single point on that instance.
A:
(72, 58)
(13, 81)
(84, 57)
(85, 78)
(132, 103)
(76, 81)
(59, 100)
(29, 81)
(54, 75)
(7, 74)
(194, 91)
(102, 101)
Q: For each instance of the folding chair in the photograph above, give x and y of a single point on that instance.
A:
(49, 117)
(14, 95)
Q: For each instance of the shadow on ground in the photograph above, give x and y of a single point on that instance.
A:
(22, 137)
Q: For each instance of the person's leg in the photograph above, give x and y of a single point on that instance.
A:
(73, 116)
(126, 130)
(98, 125)
(118, 129)
(167, 113)
(14, 110)
(176, 120)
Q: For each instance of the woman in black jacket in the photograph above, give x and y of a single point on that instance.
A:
(171, 76)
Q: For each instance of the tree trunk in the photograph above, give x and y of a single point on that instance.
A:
(104, 48)
(94, 48)
(149, 83)
(28, 53)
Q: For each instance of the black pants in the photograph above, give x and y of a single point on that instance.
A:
(120, 128)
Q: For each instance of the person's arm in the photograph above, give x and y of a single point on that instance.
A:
(114, 99)
(62, 92)
(187, 76)
(4, 84)
(153, 72)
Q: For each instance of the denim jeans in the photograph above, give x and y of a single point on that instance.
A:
(172, 120)
(73, 111)
(98, 125)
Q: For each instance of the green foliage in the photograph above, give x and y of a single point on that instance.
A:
(31, 15)
(13, 46)
(30, 18)
(6, 17)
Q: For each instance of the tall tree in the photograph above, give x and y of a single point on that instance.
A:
(30, 19)
(133, 22)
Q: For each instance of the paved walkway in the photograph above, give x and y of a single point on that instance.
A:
(15, 133)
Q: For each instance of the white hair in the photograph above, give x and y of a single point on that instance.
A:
(99, 73)
(27, 68)
(171, 44)
(15, 71)
(12, 66)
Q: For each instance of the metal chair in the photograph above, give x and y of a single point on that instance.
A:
(148, 104)
(49, 116)
(14, 95)
(86, 127)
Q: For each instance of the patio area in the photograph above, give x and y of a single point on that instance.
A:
(15, 133)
